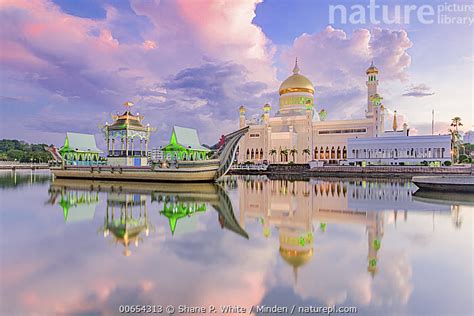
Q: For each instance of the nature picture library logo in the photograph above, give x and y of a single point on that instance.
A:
(448, 13)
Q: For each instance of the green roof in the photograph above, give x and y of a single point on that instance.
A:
(187, 138)
(80, 143)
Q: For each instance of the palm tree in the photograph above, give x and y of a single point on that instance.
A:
(455, 137)
(293, 153)
(455, 143)
(272, 153)
(456, 122)
(284, 152)
(306, 152)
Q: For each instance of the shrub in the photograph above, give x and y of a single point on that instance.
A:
(447, 163)
(291, 163)
(464, 158)
(424, 163)
(401, 163)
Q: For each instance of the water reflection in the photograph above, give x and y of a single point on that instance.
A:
(293, 207)
(374, 244)
(126, 214)
(13, 179)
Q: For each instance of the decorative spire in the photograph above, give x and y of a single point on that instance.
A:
(128, 104)
(372, 64)
(296, 69)
(395, 125)
(295, 275)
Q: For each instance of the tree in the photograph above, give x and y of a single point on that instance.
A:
(273, 153)
(293, 153)
(455, 137)
(15, 154)
(456, 122)
(284, 152)
(306, 152)
(455, 143)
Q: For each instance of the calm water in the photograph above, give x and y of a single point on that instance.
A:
(83, 248)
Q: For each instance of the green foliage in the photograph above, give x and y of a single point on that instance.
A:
(447, 163)
(12, 149)
(464, 158)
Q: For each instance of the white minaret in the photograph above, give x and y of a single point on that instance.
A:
(242, 117)
(372, 84)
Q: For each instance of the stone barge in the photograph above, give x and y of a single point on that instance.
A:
(179, 171)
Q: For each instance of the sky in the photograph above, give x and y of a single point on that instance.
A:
(69, 65)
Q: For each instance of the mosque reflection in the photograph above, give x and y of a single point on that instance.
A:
(294, 207)
(127, 218)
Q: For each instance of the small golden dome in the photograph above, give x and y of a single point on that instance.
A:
(372, 69)
(296, 83)
(242, 109)
(296, 258)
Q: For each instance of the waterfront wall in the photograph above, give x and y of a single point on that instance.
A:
(355, 171)
(14, 165)
(384, 171)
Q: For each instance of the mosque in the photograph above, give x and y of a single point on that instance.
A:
(299, 133)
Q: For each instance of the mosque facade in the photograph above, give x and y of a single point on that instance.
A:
(299, 132)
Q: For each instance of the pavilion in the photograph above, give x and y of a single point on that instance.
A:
(133, 137)
(80, 149)
(185, 145)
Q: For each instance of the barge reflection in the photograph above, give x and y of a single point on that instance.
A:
(127, 211)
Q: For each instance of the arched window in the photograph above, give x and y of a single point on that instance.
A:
(333, 153)
(315, 152)
(338, 152)
(248, 154)
(261, 153)
(344, 153)
(327, 152)
(252, 154)
(321, 153)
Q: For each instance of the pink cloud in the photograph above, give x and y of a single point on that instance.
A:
(336, 64)
(149, 45)
(332, 57)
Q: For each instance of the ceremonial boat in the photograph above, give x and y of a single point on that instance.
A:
(165, 171)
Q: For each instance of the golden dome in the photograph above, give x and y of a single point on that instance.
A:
(296, 83)
(296, 258)
(372, 69)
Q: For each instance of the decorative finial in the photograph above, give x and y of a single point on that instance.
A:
(395, 125)
(372, 64)
(128, 104)
(296, 69)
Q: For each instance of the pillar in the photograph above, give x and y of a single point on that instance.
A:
(126, 146)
